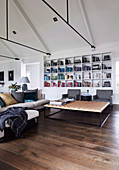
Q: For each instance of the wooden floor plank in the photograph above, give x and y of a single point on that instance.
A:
(4, 166)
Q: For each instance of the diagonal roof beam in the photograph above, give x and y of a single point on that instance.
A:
(30, 24)
(9, 49)
(86, 20)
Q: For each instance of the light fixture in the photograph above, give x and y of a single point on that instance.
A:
(14, 32)
(3, 56)
(24, 80)
(55, 19)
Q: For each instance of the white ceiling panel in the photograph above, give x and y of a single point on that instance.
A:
(103, 16)
(2, 18)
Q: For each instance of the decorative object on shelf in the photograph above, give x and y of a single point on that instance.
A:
(77, 61)
(14, 87)
(53, 63)
(11, 75)
(95, 59)
(2, 76)
(24, 80)
(106, 57)
(96, 67)
(107, 84)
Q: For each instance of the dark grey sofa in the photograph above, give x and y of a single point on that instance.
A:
(104, 96)
(38, 104)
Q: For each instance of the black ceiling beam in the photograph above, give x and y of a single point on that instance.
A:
(67, 1)
(23, 45)
(92, 46)
(7, 19)
(3, 56)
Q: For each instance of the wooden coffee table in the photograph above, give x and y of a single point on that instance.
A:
(83, 106)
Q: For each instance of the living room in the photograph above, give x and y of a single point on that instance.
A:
(49, 41)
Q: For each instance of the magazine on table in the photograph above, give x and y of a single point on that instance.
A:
(61, 101)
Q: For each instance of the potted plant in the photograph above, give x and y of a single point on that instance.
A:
(14, 87)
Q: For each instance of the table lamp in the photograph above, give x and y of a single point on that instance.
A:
(24, 80)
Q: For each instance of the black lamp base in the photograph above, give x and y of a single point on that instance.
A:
(24, 87)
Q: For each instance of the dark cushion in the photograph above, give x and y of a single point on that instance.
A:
(31, 95)
(18, 96)
(105, 94)
(74, 93)
(101, 100)
(2, 104)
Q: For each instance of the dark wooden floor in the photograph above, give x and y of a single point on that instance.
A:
(64, 145)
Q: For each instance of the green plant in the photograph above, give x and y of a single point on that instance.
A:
(14, 86)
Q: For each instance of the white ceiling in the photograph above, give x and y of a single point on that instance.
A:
(96, 20)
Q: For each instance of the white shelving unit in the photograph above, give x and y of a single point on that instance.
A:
(80, 71)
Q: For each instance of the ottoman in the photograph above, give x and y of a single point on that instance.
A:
(32, 114)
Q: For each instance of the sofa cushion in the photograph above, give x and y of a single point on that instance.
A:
(102, 100)
(74, 93)
(32, 114)
(105, 94)
(2, 104)
(31, 95)
(27, 104)
(39, 94)
(41, 102)
(8, 99)
(18, 96)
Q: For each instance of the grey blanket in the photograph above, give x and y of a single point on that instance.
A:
(17, 119)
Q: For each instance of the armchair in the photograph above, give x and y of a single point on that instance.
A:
(104, 96)
(72, 93)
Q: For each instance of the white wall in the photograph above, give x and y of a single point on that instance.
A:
(9, 66)
(56, 92)
(39, 59)
(33, 72)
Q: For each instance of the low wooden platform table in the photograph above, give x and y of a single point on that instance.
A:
(83, 106)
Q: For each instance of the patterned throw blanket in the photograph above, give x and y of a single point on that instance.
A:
(16, 118)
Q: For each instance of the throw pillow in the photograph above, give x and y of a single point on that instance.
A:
(31, 95)
(29, 101)
(18, 96)
(2, 104)
(8, 99)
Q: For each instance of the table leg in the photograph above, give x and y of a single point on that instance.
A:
(46, 116)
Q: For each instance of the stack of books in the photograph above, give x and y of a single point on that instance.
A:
(61, 101)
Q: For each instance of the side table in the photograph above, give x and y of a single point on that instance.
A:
(86, 97)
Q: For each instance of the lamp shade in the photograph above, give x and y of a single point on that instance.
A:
(24, 80)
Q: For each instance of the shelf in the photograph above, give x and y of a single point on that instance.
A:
(96, 70)
(97, 79)
(107, 79)
(106, 61)
(106, 69)
(78, 68)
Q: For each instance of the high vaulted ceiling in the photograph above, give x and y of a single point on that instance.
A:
(96, 20)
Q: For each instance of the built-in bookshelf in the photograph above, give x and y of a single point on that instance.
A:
(80, 71)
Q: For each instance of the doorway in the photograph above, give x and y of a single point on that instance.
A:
(33, 73)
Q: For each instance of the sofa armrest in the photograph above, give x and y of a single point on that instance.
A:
(95, 97)
(78, 97)
(111, 100)
(42, 96)
(64, 96)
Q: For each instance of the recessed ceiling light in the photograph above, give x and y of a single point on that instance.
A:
(55, 19)
(14, 32)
